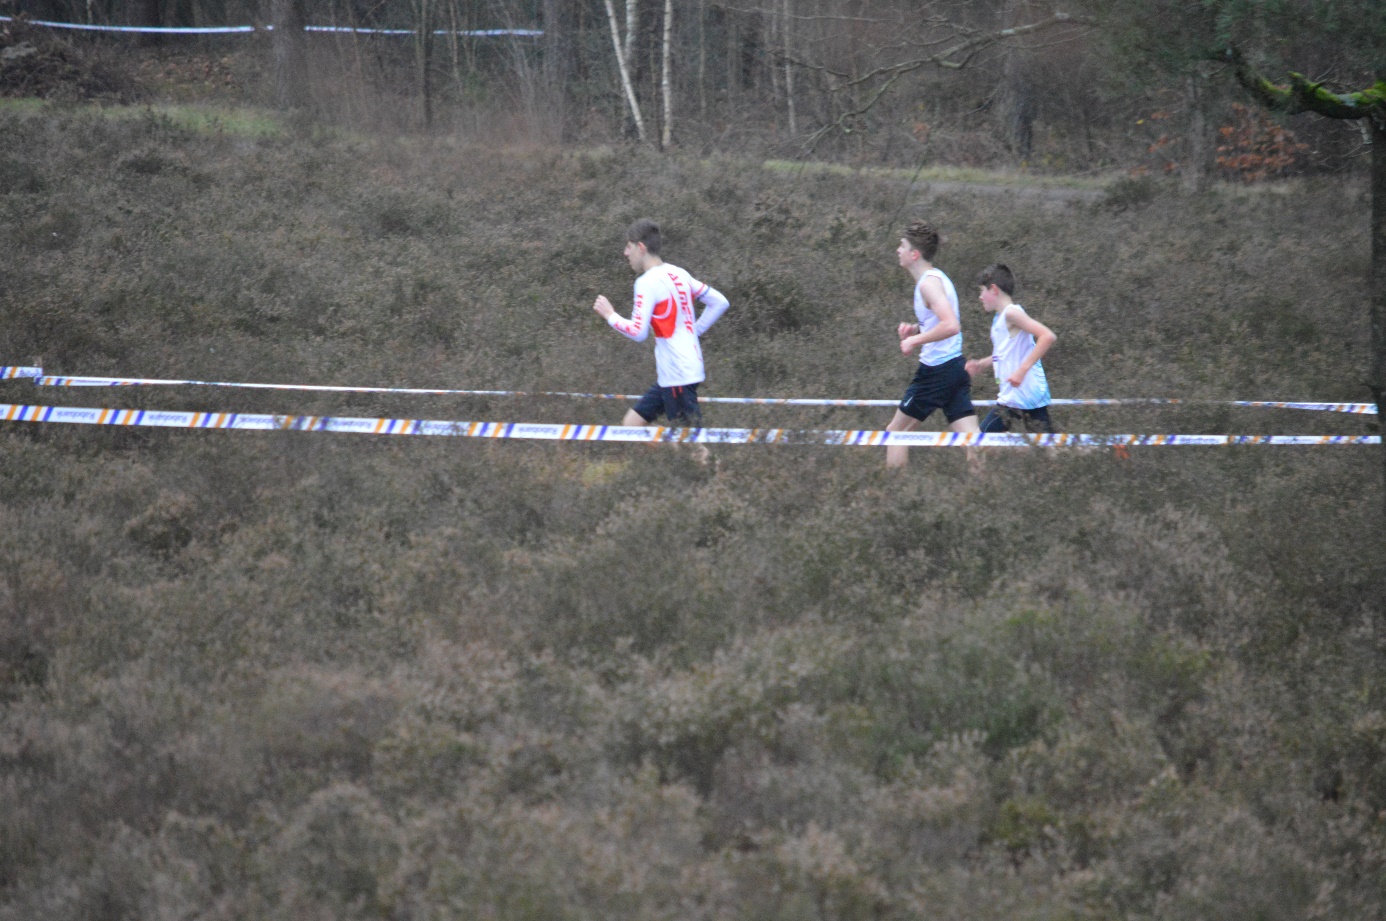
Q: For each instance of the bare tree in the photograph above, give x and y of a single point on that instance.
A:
(1300, 94)
(290, 58)
(150, 14)
(1197, 177)
(1019, 106)
(789, 70)
(702, 59)
(623, 60)
(1164, 44)
(666, 88)
(424, 16)
(940, 43)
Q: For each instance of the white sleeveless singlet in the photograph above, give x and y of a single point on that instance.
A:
(1008, 352)
(936, 353)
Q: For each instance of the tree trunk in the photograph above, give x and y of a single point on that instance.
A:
(623, 67)
(667, 135)
(181, 14)
(652, 70)
(554, 65)
(771, 43)
(290, 69)
(1376, 373)
(1196, 178)
(789, 72)
(1304, 95)
(424, 11)
(1019, 107)
(454, 46)
(150, 14)
(1020, 111)
(557, 66)
(702, 60)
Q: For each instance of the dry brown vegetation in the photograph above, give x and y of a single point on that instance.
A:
(34, 63)
(298, 676)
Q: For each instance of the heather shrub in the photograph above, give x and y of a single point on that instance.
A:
(815, 876)
(685, 722)
(539, 861)
(335, 858)
(289, 674)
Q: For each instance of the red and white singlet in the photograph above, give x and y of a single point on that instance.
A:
(664, 303)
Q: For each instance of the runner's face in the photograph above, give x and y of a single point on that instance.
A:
(988, 295)
(905, 252)
(635, 255)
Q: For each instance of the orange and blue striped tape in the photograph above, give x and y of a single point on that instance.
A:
(14, 412)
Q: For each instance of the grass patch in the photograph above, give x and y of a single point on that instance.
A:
(946, 174)
(236, 122)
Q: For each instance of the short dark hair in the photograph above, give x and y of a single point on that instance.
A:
(923, 238)
(645, 231)
(999, 275)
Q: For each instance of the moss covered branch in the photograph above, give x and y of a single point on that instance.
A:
(1305, 95)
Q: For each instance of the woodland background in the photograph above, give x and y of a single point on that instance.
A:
(1070, 88)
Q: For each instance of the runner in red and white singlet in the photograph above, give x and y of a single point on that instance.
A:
(664, 296)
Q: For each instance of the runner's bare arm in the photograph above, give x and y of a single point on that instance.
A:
(936, 301)
(1044, 338)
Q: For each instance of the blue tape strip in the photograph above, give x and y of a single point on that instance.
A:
(230, 30)
(38, 377)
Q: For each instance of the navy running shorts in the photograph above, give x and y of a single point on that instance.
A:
(1034, 421)
(679, 404)
(947, 387)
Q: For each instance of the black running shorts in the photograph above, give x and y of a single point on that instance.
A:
(947, 387)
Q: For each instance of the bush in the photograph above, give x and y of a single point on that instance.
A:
(273, 674)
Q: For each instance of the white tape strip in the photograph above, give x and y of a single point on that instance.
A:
(229, 30)
(565, 432)
(86, 381)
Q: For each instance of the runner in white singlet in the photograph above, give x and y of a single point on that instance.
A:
(1018, 341)
(941, 381)
(937, 352)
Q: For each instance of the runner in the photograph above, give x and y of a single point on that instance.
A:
(1018, 341)
(941, 381)
(664, 295)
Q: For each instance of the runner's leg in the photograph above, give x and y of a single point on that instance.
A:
(974, 456)
(897, 455)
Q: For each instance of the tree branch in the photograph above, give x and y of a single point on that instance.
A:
(956, 57)
(969, 48)
(1305, 95)
(840, 123)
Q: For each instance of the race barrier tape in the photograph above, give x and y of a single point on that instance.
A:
(87, 381)
(643, 434)
(235, 30)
